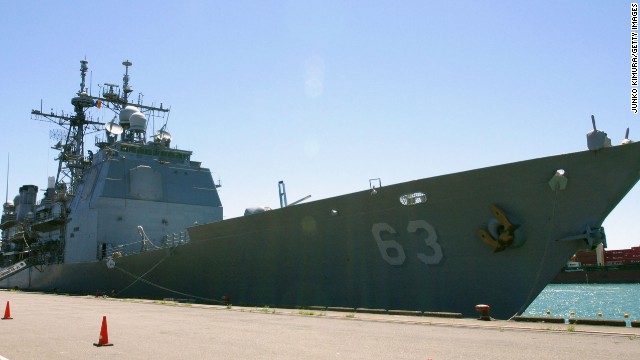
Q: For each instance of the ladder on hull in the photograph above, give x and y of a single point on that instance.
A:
(14, 269)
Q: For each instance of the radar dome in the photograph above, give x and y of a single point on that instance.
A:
(137, 122)
(126, 113)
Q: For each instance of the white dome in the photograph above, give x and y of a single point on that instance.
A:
(126, 113)
(137, 122)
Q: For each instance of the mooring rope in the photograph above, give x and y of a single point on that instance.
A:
(546, 250)
(138, 278)
(141, 278)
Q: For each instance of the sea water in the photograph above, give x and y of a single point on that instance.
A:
(612, 301)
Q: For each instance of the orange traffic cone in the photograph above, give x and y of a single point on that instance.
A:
(104, 336)
(7, 313)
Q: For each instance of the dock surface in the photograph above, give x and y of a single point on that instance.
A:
(49, 326)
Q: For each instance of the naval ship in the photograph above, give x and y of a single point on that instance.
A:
(139, 218)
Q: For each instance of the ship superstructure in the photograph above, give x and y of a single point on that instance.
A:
(131, 195)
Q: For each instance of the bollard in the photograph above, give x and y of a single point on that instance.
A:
(484, 312)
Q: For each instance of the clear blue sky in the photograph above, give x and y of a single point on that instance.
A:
(328, 94)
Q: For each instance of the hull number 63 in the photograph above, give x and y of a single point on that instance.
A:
(393, 253)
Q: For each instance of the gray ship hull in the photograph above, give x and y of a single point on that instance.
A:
(369, 250)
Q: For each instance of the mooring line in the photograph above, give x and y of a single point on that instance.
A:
(141, 278)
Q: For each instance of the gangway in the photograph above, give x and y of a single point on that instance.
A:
(14, 269)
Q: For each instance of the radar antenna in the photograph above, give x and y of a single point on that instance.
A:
(71, 159)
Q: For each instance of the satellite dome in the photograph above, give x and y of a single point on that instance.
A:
(137, 122)
(126, 113)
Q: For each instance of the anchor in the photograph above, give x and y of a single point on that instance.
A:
(505, 231)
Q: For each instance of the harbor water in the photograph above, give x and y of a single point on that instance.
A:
(587, 301)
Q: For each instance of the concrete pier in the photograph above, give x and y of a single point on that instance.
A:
(48, 326)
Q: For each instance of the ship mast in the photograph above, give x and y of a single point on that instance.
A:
(125, 81)
(71, 159)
